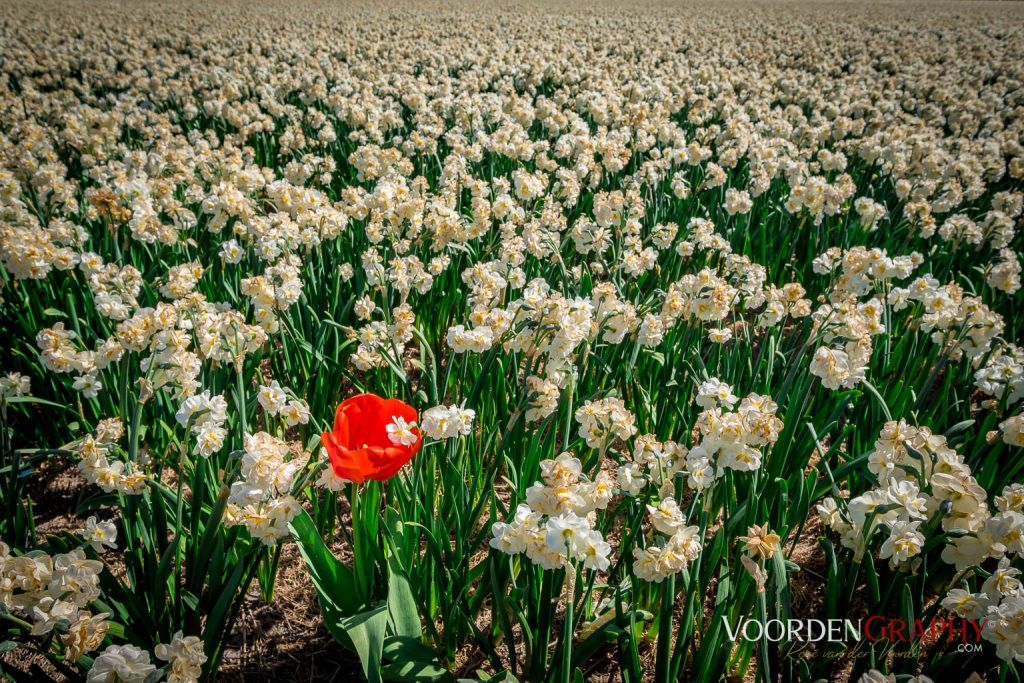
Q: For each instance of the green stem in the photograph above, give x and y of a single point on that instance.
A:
(661, 666)
(240, 399)
(762, 613)
(567, 626)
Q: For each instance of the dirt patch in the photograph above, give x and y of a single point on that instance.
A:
(56, 489)
(287, 639)
(24, 666)
(807, 586)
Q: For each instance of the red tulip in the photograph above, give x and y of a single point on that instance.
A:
(361, 445)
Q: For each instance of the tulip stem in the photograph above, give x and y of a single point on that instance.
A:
(357, 543)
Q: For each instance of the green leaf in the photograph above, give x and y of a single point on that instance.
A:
(333, 579)
(404, 648)
(38, 401)
(500, 677)
(334, 582)
(403, 616)
(190, 599)
(366, 633)
(409, 660)
(604, 634)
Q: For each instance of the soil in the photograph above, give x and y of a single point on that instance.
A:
(287, 639)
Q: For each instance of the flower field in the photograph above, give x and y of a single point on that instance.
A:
(533, 342)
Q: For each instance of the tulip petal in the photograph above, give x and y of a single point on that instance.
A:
(359, 447)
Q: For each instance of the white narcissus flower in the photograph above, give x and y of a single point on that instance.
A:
(1003, 628)
(907, 494)
(110, 430)
(512, 537)
(903, 543)
(714, 392)
(666, 516)
(90, 385)
(967, 605)
(185, 658)
(737, 201)
(829, 512)
(121, 664)
(48, 611)
(1013, 430)
(651, 332)
(272, 397)
(1003, 582)
(719, 335)
(1007, 529)
(630, 479)
(832, 366)
(331, 481)
(876, 676)
(100, 535)
(231, 252)
(447, 422)
(565, 531)
(364, 307)
(209, 439)
(85, 634)
(202, 409)
(563, 471)
(400, 432)
(701, 473)
(604, 421)
(295, 412)
(14, 384)
(595, 551)
(655, 563)
(741, 458)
